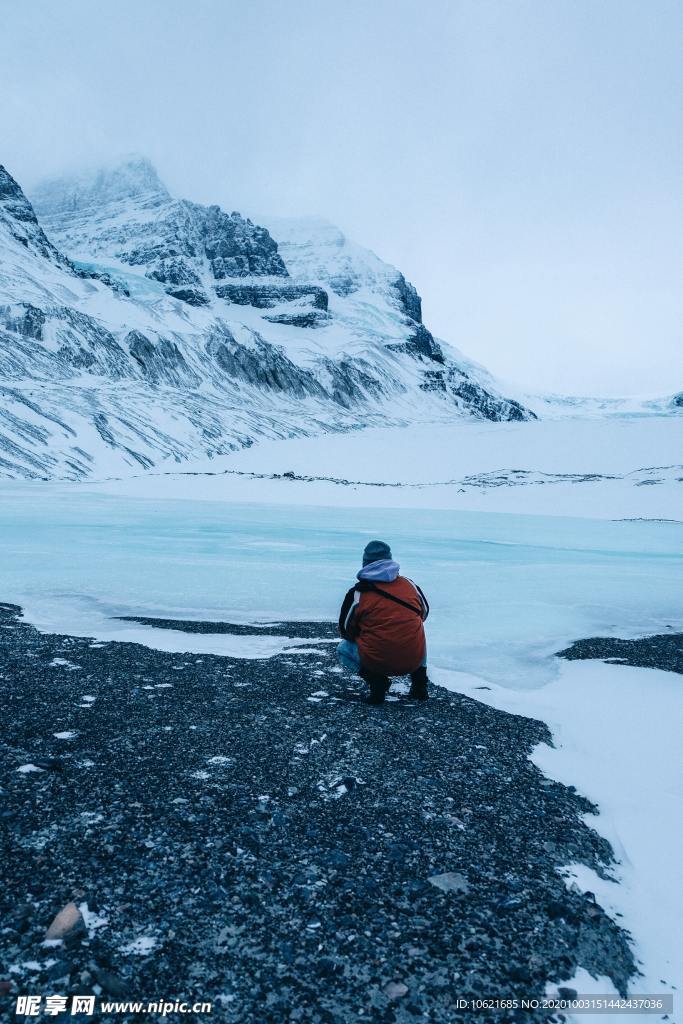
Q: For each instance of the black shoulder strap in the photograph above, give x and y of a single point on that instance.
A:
(392, 597)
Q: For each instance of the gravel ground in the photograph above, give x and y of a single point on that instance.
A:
(315, 630)
(256, 836)
(663, 651)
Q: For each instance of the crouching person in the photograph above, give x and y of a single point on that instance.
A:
(382, 625)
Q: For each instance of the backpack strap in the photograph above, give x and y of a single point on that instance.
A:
(392, 597)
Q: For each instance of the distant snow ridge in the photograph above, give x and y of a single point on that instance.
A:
(137, 328)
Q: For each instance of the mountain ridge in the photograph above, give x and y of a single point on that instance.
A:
(136, 327)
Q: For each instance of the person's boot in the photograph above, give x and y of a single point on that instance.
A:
(379, 686)
(418, 684)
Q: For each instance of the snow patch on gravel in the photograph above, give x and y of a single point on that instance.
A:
(92, 920)
(617, 739)
(141, 946)
(87, 619)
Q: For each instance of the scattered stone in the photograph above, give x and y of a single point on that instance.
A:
(566, 993)
(395, 990)
(69, 919)
(450, 881)
(19, 918)
(111, 983)
(521, 974)
(510, 904)
(59, 970)
(48, 764)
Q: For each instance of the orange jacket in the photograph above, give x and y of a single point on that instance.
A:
(385, 618)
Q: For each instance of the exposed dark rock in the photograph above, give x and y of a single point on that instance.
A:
(95, 275)
(409, 300)
(421, 345)
(475, 399)
(265, 296)
(22, 223)
(235, 247)
(262, 364)
(13, 198)
(25, 319)
(160, 360)
(193, 296)
(315, 318)
(82, 343)
(172, 270)
(349, 382)
(85, 344)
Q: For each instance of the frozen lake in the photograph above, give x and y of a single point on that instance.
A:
(506, 590)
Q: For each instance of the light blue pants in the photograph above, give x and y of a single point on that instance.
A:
(348, 656)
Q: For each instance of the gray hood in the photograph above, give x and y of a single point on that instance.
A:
(385, 570)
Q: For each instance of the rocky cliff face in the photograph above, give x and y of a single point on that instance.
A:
(20, 224)
(136, 327)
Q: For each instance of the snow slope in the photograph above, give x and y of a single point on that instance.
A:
(602, 467)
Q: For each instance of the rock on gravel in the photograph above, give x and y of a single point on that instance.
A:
(68, 919)
(450, 881)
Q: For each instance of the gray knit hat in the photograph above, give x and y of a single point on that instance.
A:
(375, 551)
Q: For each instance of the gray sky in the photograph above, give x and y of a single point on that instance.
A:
(519, 160)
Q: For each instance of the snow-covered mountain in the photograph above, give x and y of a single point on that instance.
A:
(137, 328)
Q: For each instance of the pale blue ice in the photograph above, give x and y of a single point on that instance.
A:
(507, 591)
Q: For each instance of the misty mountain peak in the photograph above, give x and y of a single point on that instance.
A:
(134, 178)
(124, 216)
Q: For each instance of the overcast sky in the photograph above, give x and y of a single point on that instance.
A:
(519, 160)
